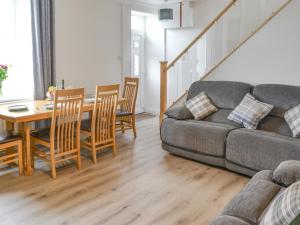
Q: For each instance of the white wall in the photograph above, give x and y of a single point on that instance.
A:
(271, 56)
(88, 42)
(154, 50)
(204, 12)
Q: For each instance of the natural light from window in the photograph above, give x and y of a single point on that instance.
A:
(16, 49)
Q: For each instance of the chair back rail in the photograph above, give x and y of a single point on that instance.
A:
(104, 114)
(130, 91)
(66, 121)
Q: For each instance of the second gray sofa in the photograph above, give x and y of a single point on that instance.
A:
(220, 142)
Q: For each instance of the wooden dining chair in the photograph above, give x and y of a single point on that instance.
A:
(126, 114)
(100, 129)
(62, 139)
(11, 150)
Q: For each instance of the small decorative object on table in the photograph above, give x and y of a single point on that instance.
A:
(3, 75)
(50, 93)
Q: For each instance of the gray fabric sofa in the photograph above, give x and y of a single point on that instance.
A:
(217, 141)
(252, 203)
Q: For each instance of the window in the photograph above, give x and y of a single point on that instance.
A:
(16, 49)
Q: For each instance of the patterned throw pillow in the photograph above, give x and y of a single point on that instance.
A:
(292, 117)
(285, 208)
(200, 106)
(250, 112)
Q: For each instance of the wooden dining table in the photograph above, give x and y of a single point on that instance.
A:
(24, 119)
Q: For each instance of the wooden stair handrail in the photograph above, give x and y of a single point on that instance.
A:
(165, 67)
(215, 20)
(246, 39)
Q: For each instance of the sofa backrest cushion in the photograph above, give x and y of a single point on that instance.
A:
(224, 94)
(283, 97)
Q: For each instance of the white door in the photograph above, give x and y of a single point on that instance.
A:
(137, 66)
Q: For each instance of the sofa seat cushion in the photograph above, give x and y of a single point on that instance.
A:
(251, 202)
(229, 220)
(221, 117)
(199, 136)
(275, 125)
(260, 150)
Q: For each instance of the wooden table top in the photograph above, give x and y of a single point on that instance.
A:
(37, 111)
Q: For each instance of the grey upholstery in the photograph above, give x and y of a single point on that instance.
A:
(196, 135)
(275, 125)
(283, 97)
(42, 134)
(6, 137)
(252, 203)
(179, 112)
(227, 143)
(188, 154)
(120, 113)
(224, 94)
(86, 125)
(229, 220)
(221, 117)
(287, 173)
(260, 150)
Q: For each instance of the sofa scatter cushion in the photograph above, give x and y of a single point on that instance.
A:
(179, 112)
(292, 117)
(250, 112)
(200, 106)
(285, 208)
(287, 173)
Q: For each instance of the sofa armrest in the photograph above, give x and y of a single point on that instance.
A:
(179, 112)
(287, 173)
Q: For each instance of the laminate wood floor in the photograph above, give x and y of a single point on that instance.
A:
(143, 185)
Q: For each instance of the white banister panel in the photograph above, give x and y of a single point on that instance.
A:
(233, 28)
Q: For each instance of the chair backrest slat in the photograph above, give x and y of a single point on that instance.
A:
(104, 114)
(130, 92)
(66, 120)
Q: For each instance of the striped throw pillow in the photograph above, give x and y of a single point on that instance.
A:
(200, 106)
(250, 112)
(292, 117)
(285, 208)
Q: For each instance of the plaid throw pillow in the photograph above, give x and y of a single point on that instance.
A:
(250, 112)
(292, 117)
(200, 106)
(285, 208)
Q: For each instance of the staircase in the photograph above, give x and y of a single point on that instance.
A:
(239, 21)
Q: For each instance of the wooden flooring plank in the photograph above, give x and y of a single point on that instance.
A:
(142, 185)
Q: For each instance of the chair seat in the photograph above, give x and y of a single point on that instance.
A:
(43, 134)
(6, 138)
(86, 125)
(123, 113)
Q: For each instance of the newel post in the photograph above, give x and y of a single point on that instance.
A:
(163, 89)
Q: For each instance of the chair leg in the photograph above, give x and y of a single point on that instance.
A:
(20, 154)
(122, 127)
(78, 160)
(32, 154)
(53, 167)
(133, 126)
(114, 148)
(94, 154)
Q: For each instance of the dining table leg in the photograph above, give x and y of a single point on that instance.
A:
(25, 131)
